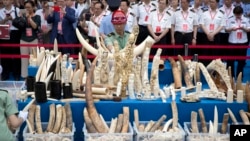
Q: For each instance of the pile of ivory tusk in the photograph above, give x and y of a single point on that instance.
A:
(159, 130)
(59, 127)
(207, 131)
(118, 129)
(203, 130)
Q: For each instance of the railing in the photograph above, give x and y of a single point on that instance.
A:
(185, 47)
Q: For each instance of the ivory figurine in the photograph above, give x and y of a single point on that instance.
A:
(138, 81)
(111, 76)
(131, 86)
(127, 64)
(64, 68)
(144, 68)
(208, 78)
(118, 89)
(104, 68)
(147, 93)
(117, 63)
(97, 79)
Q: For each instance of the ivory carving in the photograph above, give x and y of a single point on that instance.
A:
(111, 76)
(144, 68)
(118, 89)
(138, 81)
(154, 80)
(218, 66)
(117, 63)
(97, 79)
(185, 72)
(131, 86)
(208, 78)
(104, 68)
(176, 73)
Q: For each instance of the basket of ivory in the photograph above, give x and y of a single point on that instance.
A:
(147, 132)
(118, 129)
(60, 126)
(206, 136)
(108, 136)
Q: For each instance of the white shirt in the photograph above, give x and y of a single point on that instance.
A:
(159, 21)
(80, 8)
(3, 13)
(228, 12)
(44, 23)
(143, 11)
(238, 36)
(133, 8)
(212, 20)
(131, 21)
(92, 26)
(184, 21)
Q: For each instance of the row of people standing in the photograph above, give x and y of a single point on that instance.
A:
(199, 24)
(160, 19)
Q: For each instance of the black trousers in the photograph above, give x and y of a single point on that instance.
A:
(163, 41)
(65, 50)
(241, 63)
(181, 39)
(11, 64)
(143, 33)
(211, 52)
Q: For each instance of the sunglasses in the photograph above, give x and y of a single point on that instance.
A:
(119, 19)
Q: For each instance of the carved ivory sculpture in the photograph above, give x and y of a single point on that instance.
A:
(131, 86)
(220, 67)
(136, 50)
(64, 68)
(144, 68)
(117, 63)
(127, 64)
(104, 72)
(138, 81)
(154, 80)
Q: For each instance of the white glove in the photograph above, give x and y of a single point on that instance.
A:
(23, 115)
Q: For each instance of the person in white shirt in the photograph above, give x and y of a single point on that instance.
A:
(7, 15)
(106, 7)
(81, 5)
(131, 18)
(95, 21)
(237, 26)
(133, 4)
(159, 24)
(227, 8)
(143, 11)
(184, 27)
(212, 22)
(45, 27)
(197, 8)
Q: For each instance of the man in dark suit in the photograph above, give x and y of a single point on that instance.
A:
(62, 18)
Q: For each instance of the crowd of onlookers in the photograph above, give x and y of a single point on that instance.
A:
(169, 22)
